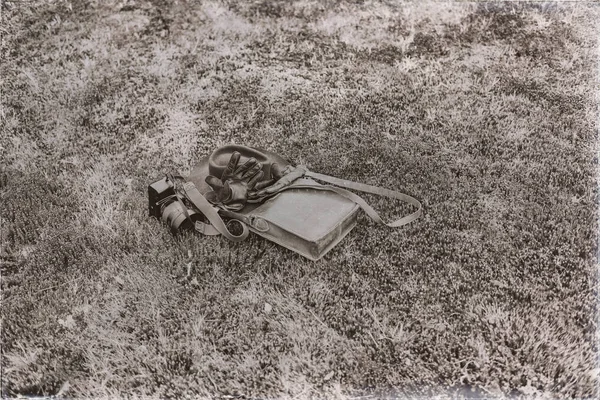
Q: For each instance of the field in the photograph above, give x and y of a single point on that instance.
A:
(485, 112)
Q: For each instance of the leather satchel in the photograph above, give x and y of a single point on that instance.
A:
(305, 216)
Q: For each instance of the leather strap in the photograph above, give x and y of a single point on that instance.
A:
(217, 226)
(194, 195)
(206, 229)
(361, 187)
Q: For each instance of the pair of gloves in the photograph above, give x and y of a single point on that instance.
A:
(242, 183)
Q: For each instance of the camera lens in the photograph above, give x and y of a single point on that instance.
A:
(174, 216)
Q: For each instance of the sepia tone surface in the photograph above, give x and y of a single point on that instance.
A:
(485, 112)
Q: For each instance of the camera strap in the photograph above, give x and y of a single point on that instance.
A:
(217, 225)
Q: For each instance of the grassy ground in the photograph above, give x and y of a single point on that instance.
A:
(487, 113)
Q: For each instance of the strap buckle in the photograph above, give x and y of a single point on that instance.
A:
(259, 224)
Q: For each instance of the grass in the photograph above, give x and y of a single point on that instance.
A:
(486, 112)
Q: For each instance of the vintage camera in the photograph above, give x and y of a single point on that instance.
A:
(165, 202)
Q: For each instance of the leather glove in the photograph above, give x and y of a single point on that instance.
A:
(282, 177)
(231, 191)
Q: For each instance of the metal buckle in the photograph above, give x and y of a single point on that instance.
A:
(259, 224)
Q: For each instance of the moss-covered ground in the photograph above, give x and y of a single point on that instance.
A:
(486, 112)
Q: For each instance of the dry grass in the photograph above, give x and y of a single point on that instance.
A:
(487, 112)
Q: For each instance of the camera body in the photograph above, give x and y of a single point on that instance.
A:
(157, 192)
(165, 203)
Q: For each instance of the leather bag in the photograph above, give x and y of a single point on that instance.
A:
(305, 216)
